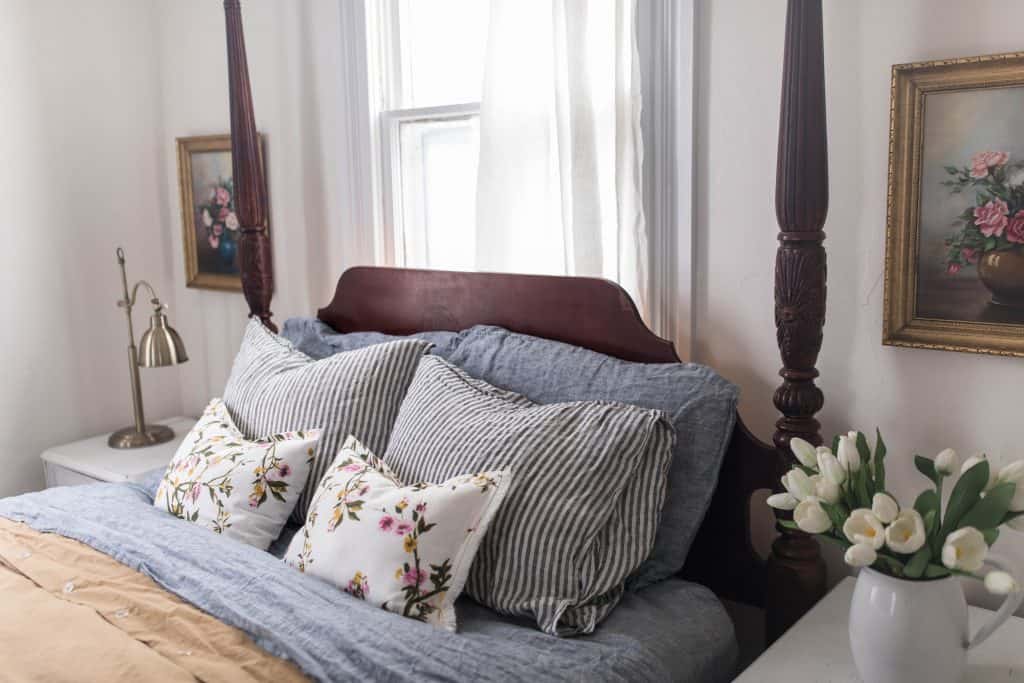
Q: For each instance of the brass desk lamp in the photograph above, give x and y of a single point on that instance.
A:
(160, 346)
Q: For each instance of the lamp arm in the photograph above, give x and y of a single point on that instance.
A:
(153, 297)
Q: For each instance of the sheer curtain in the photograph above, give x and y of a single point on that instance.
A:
(559, 179)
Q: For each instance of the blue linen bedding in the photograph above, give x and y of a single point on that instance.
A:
(671, 631)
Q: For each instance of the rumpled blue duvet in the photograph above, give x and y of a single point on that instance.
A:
(670, 631)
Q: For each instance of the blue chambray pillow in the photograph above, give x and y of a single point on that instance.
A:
(700, 404)
(318, 340)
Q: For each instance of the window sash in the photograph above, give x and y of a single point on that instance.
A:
(406, 239)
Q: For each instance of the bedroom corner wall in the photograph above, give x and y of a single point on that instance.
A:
(921, 400)
(295, 52)
(79, 175)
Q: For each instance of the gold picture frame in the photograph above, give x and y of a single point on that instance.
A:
(210, 228)
(936, 112)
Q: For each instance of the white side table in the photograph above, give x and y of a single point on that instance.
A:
(92, 460)
(817, 648)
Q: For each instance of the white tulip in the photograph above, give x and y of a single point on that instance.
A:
(884, 507)
(946, 462)
(862, 526)
(782, 501)
(853, 434)
(1001, 583)
(848, 456)
(964, 549)
(804, 452)
(1014, 473)
(825, 489)
(1017, 524)
(860, 555)
(798, 484)
(974, 460)
(830, 468)
(906, 534)
(811, 517)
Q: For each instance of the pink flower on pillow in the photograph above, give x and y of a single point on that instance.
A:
(414, 577)
(991, 218)
(983, 161)
(403, 528)
(1015, 228)
(386, 522)
(352, 467)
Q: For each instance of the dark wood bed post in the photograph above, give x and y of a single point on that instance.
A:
(796, 571)
(255, 258)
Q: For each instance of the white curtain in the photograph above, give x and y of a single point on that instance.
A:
(559, 181)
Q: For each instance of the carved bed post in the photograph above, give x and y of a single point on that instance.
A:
(796, 571)
(247, 166)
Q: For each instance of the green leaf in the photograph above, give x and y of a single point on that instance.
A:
(927, 468)
(880, 452)
(927, 502)
(894, 565)
(965, 496)
(789, 524)
(930, 522)
(837, 514)
(917, 564)
(988, 512)
(863, 496)
(863, 448)
(991, 536)
(935, 571)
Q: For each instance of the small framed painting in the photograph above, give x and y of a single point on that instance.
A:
(210, 226)
(954, 266)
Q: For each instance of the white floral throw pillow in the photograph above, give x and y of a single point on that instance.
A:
(235, 486)
(407, 549)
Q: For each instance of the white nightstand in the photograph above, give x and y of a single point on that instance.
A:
(92, 460)
(817, 648)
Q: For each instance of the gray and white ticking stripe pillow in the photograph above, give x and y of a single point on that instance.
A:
(588, 484)
(275, 388)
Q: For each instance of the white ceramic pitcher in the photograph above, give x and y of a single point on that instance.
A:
(908, 631)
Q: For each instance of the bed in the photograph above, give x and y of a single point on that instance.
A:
(155, 600)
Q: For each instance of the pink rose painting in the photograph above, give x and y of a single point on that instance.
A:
(982, 163)
(954, 210)
(212, 225)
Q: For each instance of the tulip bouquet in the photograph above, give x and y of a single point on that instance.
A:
(839, 493)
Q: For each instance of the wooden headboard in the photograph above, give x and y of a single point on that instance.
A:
(599, 315)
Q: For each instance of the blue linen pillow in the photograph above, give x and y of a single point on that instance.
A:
(699, 403)
(318, 340)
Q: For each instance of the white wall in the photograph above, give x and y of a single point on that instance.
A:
(921, 400)
(80, 174)
(295, 62)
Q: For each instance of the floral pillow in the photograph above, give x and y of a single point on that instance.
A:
(235, 486)
(407, 549)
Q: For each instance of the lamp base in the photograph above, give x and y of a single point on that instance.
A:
(149, 436)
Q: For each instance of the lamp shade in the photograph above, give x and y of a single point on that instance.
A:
(160, 344)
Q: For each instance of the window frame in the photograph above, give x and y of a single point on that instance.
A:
(396, 236)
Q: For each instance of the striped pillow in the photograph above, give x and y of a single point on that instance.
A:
(275, 388)
(588, 484)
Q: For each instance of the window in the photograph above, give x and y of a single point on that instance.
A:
(427, 58)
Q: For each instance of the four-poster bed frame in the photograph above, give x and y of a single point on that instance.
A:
(599, 315)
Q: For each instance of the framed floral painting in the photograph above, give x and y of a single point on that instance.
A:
(954, 271)
(210, 226)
